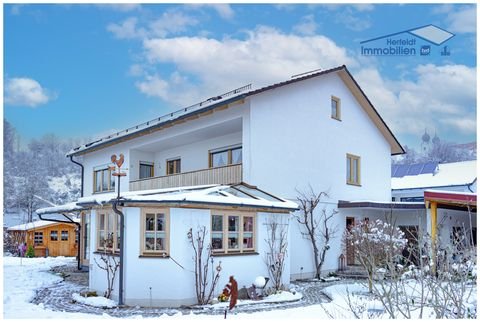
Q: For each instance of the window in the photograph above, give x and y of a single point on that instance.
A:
(155, 232)
(103, 180)
(233, 233)
(64, 235)
(335, 104)
(108, 233)
(173, 166)
(146, 170)
(53, 235)
(353, 169)
(38, 238)
(225, 156)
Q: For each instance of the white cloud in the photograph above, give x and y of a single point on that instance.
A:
(307, 26)
(171, 23)
(122, 7)
(463, 20)
(265, 56)
(224, 10)
(349, 18)
(25, 92)
(153, 86)
(363, 7)
(443, 97)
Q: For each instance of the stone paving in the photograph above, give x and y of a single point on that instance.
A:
(58, 297)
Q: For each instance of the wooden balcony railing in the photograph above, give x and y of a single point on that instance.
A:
(220, 175)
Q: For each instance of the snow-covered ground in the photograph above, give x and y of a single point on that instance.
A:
(22, 276)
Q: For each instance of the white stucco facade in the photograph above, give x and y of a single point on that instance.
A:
(170, 281)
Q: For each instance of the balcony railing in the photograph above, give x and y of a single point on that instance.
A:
(220, 175)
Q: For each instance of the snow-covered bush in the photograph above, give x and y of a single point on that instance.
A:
(375, 244)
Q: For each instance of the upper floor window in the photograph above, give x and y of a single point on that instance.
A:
(38, 238)
(353, 169)
(108, 232)
(335, 105)
(155, 232)
(174, 166)
(233, 233)
(103, 181)
(225, 156)
(146, 170)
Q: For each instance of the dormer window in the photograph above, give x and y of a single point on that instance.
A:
(335, 106)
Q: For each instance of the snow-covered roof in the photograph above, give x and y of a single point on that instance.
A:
(69, 207)
(234, 96)
(448, 174)
(36, 224)
(239, 195)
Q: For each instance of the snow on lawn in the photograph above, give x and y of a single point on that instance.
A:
(21, 277)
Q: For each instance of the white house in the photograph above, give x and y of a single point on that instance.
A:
(318, 130)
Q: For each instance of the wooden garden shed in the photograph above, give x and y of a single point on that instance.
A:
(47, 238)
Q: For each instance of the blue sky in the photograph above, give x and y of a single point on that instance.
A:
(88, 70)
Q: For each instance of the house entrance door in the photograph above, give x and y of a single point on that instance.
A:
(350, 222)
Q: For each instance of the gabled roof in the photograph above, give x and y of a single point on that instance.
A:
(36, 224)
(448, 175)
(238, 195)
(233, 97)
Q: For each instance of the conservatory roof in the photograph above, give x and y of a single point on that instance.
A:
(238, 195)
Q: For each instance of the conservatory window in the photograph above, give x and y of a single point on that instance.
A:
(108, 234)
(233, 232)
(155, 232)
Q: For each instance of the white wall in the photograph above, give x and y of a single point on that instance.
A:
(295, 142)
(172, 285)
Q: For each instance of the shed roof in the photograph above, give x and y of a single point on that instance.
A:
(448, 175)
(36, 224)
(233, 97)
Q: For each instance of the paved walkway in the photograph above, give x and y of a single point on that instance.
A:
(58, 297)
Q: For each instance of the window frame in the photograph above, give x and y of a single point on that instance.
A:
(114, 232)
(52, 234)
(229, 155)
(225, 250)
(62, 235)
(177, 166)
(36, 236)
(351, 158)
(155, 253)
(111, 182)
(148, 164)
(338, 115)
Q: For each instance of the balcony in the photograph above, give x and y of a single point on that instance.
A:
(220, 175)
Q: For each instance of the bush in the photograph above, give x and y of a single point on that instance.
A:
(30, 252)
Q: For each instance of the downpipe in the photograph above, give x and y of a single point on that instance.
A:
(120, 278)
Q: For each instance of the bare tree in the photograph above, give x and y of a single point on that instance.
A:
(203, 260)
(316, 225)
(277, 243)
(110, 265)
